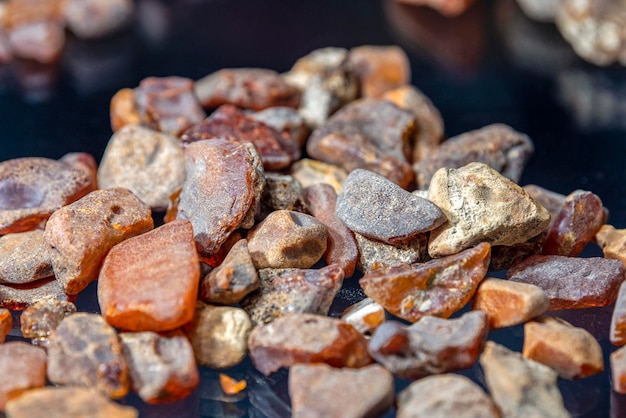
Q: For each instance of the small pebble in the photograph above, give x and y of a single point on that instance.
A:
(41, 41)
(287, 121)
(618, 370)
(617, 333)
(89, 19)
(309, 172)
(380, 68)
(6, 324)
(39, 320)
(19, 297)
(282, 192)
(365, 316)
(376, 254)
(24, 257)
(23, 368)
(613, 242)
(123, 109)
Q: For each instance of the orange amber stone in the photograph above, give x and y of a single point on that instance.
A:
(6, 323)
(124, 109)
(231, 386)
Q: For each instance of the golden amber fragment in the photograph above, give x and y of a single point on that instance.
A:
(231, 386)
(6, 323)
(613, 242)
(124, 109)
(618, 320)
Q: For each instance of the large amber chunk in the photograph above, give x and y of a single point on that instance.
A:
(439, 287)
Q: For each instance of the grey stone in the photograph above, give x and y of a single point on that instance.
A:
(24, 257)
(374, 254)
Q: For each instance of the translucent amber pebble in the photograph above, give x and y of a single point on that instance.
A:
(613, 242)
(618, 320)
(618, 370)
(124, 110)
(231, 386)
(380, 68)
(439, 287)
(39, 320)
(6, 323)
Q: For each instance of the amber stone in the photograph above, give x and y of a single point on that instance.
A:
(123, 109)
(32, 188)
(136, 290)
(249, 88)
(380, 68)
(439, 287)
(67, 402)
(371, 134)
(162, 368)
(41, 41)
(309, 172)
(23, 368)
(613, 242)
(617, 333)
(365, 316)
(282, 192)
(18, 12)
(284, 291)
(233, 124)
(19, 297)
(286, 120)
(341, 249)
(618, 370)
(89, 19)
(375, 254)
(306, 338)
(6, 324)
(505, 256)
(85, 351)
(231, 386)
(40, 319)
(24, 257)
(224, 183)
(571, 282)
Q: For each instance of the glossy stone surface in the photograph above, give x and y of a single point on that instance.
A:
(23, 368)
(309, 172)
(90, 19)
(306, 338)
(618, 370)
(6, 324)
(318, 390)
(380, 68)
(482, 206)
(39, 320)
(438, 287)
(430, 346)
(371, 134)
(123, 109)
(81, 234)
(613, 242)
(376, 254)
(135, 288)
(365, 316)
(85, 351)
(24, 257)
(293, 290)
(570, 282)
(19, 297)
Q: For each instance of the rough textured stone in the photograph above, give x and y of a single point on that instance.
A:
(571, 282)
(67, 402)
(81, 234)
(613, 242)
(23, 368)
(380, 68)
(89, 19)
(287, 121)
(24, 257)
(449, 8)
(162, 368)
(306, 338)
(341, 249)
(481, 206)
(365, 316)
(618, 370)
(617, 333)
(136, 287)
(309, 172)
(504, 257)
(377, 208)
(509, 303)
(32, 188)
(19, 297)
(219, 335)
(318, 390)
(85, 351)
(39, 320)
(228, 283)
(287, 239)
(438, 287)
(293, 290)
(444, 396)
(571, 351)
(224, 183)
(6, 324)
(376, 254)
(498, 146)
(148, 163)
(430, 346)
(282, 192)
(249, 88)
(371, 134)
(83, 161)
(123, 109)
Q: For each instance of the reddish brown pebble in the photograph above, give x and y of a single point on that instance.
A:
(341, 249)
(365, 316)
(374, 254)
(370, 134)
(228, 283)
(162, 368)
(430, 346)
(224, 182)
(23, 368)
(150, 282)
(309, 172)
(617, 333)
(509, 303)
(67, 402)
(618, 370)
(439, 287)
(380, 68)
(572, 352)
(6, 324)
(21, 296)
(123, 109)
(39, 320)
(613, 242)
(85, 351)
(249, 88)
(306, 338)
(570, 282)
(24, 257)
(318, 390)
(32, 188)
(90, 19)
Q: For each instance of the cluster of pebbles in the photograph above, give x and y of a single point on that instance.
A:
(257, 242)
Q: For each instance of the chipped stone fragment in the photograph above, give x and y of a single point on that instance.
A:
(89, 19)
(306, 338)
(282, 192)
(498, 146)
(430, 346)
(309, 172)
(618, 370)
(371, 134)
(24, 257)
(380, 68)
(571, 282)
(162, 368)
(613, 242)
(148, 163)
(150, 282)
(40, 319)
(123, 109)
(287, 239)
(85, 351)
(444, 396)
(19, 297)
(379, 209)
(521, 387)
(318, 390)
(482, 206)
(376, 254)
(438, 287)
(508, 303)
(219, 335)
(617, 333)
(6, 324)
(365, 316)
(67, 402)
(23, 368)
(293, 290)
(287, 121)
(571, 351)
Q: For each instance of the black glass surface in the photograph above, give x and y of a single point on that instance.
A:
(489, 65)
